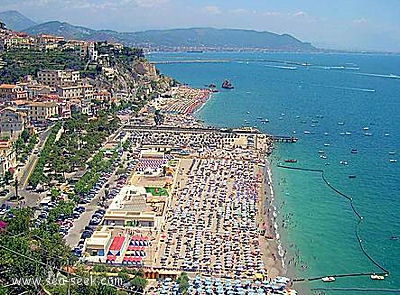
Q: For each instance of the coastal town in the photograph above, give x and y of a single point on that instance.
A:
(107, 172)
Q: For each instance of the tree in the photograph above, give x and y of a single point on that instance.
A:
(183, 281)
(7, 177)
(25, 135)
(139, 283)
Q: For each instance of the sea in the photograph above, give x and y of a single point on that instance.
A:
(345, 111)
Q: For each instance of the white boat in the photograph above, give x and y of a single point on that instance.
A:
(392, 161)
(377, 277)
(326, 144)
(366, 128)
(340, 123)
(328, 279)
(348, 133)
(306, 132)
(367, 134)
(323, 157)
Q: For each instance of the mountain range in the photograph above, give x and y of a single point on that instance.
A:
(165, 39)
(15, 20)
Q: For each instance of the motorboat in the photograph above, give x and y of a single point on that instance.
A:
(377, 277)
(328, 279)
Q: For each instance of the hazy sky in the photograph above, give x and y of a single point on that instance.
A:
(342, 24)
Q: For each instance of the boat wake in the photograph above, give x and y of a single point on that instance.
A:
(336, 68)
(282, 67)
(345, 88)
(390, 76)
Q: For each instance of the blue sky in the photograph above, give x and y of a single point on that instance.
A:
(340, 24)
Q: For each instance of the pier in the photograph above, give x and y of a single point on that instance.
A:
(288, 139)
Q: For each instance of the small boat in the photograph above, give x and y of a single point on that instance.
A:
(366, 128)
(352, 176)
(377, 277)
(354, 151)
(392, 161)
(290, 161)
(348, 133)
(306, 132)
(328, 279)
(265, 121)
(259, 118)
(367, 134)
(321, 152)
(343, 162)
(394, 238)
(323, 157)
(340, 123)
(326, 133)
(326, 144)
(227, 85)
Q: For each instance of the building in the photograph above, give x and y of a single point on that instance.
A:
(11, 92)
(84, 91)
(130, 208)
(42, 111)
(58, 77)
(19, 41)
(12, 122)
(45, 42)
(92, 52)
(98, 243)
(36, 90)
(7, 156)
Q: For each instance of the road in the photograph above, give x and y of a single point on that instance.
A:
(74, 234)
(23, 173)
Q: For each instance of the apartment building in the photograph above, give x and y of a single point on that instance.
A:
(42, 111)
(55, 78)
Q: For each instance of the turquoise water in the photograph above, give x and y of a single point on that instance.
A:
(357, 91)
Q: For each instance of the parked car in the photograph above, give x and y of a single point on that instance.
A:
(86, 234)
